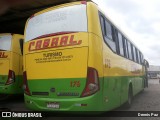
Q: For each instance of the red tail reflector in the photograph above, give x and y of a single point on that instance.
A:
(26, 88)
(92, 84)
(11, 77)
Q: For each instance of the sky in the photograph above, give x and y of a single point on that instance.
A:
(140, 21)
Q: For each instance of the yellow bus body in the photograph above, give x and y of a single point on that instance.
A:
(11, 66)
(51, 68)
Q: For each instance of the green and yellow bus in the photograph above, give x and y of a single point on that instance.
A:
(76, 59)
(11, 73)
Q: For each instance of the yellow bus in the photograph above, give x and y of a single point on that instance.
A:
(76, 59)
(11, 50)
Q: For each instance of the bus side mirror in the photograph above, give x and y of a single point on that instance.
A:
(21, 45)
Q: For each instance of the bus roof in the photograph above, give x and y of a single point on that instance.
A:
(72, 2)
(61, 3)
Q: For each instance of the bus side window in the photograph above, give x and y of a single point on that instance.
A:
(129, 50)
(102, 25)
(134, 54)
(109, 36)
(132, 51)
(121, 44)
(138, 56)
(141, 58)
(21, 45)
(126, 47)
(115, 39)
(108, 32)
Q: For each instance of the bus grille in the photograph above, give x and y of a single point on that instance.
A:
(40, 93)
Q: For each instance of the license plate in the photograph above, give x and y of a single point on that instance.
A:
(54, 105)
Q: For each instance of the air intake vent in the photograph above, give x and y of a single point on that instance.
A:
(40, 93)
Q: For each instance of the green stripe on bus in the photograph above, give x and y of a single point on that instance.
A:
(14, 88)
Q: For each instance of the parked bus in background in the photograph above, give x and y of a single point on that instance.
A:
(11, 50)
(76, 59)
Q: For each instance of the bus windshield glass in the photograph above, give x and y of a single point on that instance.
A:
(66, 19)
(5, 42)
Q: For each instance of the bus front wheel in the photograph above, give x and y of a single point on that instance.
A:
(130, 97)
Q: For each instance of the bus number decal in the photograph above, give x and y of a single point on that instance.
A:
(75, 84)
(107, 63)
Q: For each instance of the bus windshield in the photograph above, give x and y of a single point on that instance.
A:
(66, 19)
(5, 42)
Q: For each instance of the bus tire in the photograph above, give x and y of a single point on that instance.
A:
(130, 97)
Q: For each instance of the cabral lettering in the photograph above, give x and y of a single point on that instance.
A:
(53, 43)
(2, 55)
